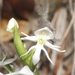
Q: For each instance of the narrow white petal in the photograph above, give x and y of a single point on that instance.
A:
(50, 45)
(24, 34)
(53, 47)
(47, 55)
(8, 61)
(30, 38)
(36, 56)
(28, 51)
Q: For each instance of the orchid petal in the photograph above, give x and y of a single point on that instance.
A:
(47, 55)
(24, 34)
(44, 31)
(53, 47)
(30, 38)
(28, 51)
(50, 45)
(36, 56)
(7, 61)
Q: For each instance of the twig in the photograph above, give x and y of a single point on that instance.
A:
(70, 6)
(59, 58)
(69, 27)
(73, 12)
(73, 70)
(60, 25)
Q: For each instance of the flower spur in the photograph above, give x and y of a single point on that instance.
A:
(41, 37)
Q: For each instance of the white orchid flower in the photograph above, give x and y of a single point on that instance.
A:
(41, 37)
(24, 71)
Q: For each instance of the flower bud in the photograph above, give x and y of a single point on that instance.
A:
(11, 24)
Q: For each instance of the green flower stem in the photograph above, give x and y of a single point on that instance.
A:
(18, 43)
(8, 68)
(27, 59)
(36, 72)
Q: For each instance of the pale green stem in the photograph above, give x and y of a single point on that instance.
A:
(27, 59)
(8, 68)
(36, 72)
